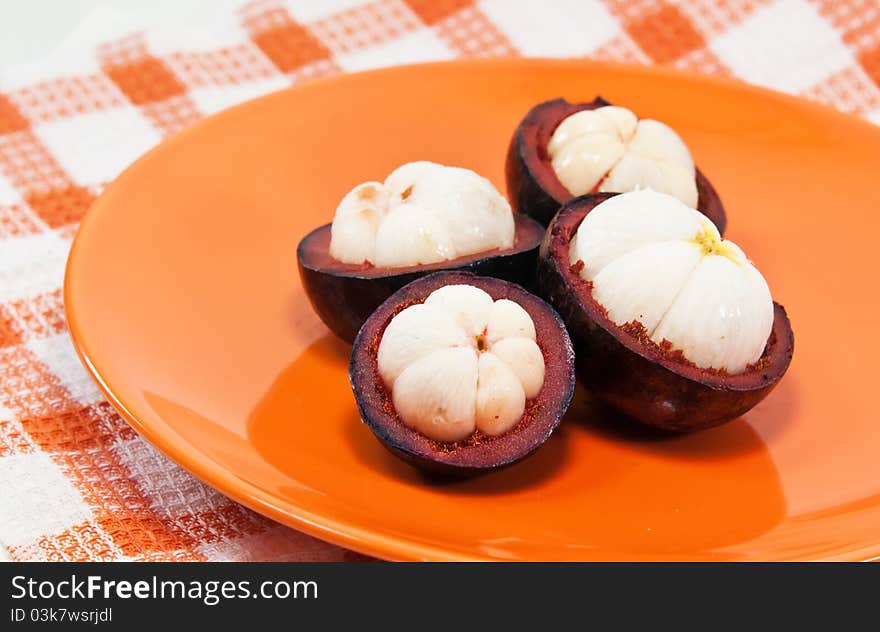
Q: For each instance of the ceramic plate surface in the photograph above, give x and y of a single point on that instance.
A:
(184, 302)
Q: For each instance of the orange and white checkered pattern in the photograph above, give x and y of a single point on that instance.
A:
(77, 483)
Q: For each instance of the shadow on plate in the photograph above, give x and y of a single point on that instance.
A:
(773, 416)
(276, 423)
(531, 471)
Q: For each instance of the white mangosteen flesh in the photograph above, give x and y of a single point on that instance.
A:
(461, 362)
(423, 213)
(654, 260)
(611, 149)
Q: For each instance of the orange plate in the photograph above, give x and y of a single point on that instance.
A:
(184, 302)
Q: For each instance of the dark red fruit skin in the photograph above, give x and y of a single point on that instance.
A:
(532, 185)
(344, 295)
(638, 379)
(545, 412)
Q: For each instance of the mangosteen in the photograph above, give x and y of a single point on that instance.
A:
(561, 150)
(460, 374)
(424, 218)
(671, 324)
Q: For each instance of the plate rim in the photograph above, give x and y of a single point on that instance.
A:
(345, 533)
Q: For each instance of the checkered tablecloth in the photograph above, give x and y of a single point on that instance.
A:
(76, 483)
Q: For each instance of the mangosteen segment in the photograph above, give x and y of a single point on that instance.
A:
(461, 374)
(423, 213)
(460, 362)
(344, 294)
(609, 149)
(654, 261)
(707, 375)
(562, 149)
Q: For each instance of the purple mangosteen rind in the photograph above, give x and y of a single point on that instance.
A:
(464, 459)
(532, 185)
(641, 380)
(344, 295)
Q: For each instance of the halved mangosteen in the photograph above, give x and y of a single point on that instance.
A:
(671, 325)
(460, 374)
(561, 150)
(424, 218)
